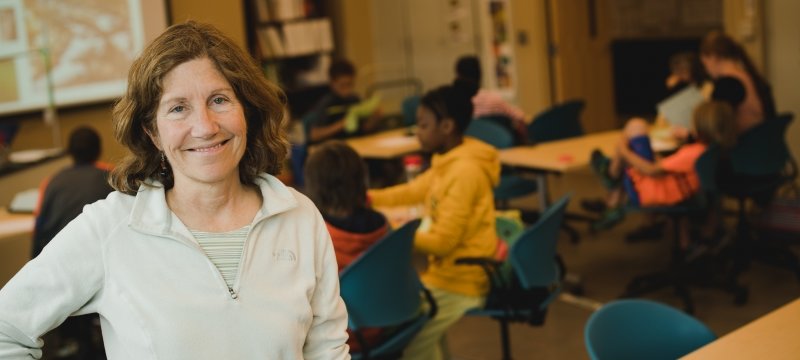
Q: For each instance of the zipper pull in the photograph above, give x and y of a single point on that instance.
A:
(234, 296)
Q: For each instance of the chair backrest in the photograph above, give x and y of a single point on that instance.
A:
(762, 150)
(643, 329)
(490, 133)
(381, 288)
(706, 166)
(409, 107)
(558, 122)
(533, 255)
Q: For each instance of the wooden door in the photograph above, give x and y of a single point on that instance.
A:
(581, 59)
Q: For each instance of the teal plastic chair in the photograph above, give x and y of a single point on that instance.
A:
(643, 329)
(683, 273)
(760, 164)
(558, 122)
(490, 132)
(510, 185)
(409, 108)
(536, 277)
(381, 289)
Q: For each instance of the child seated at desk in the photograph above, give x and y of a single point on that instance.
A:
(336, 181)
(459, 213)
(636, 171)
(339, 113)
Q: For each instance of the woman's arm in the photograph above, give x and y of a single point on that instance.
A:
(63, 280)
(327, 337)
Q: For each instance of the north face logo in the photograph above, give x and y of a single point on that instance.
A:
(284, 255)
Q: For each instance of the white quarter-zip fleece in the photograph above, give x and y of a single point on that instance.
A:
(130, 259)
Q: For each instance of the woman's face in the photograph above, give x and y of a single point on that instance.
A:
(201, 124)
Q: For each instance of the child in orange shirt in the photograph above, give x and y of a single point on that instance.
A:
(650, 181)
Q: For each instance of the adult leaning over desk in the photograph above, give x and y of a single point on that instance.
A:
(200, 253)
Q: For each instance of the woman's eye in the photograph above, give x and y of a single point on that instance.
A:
(177, 109)
(219, 100)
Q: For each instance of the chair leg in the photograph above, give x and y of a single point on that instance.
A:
(505, 339)
(571, 232)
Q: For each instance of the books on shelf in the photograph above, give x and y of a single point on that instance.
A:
(281, 10)
(296, 38)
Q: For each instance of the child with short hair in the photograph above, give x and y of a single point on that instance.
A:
(336, 181)
(459, 210)
(328, 118)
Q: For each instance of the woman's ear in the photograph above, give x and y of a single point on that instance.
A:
(154, 138)
(448, 125)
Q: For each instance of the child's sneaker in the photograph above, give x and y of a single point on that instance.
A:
(600, 164)
(609, 218)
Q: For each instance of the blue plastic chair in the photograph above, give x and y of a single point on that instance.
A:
(558, 122)
(511, 185)
(535, 279)
(643, 329)
(409, 107)
(381, 289)
(490, 132)
(684, 272)
(760, 164)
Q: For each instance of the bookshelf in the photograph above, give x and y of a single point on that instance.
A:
(293, 41)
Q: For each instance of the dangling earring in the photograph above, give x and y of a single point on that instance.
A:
(163, 172)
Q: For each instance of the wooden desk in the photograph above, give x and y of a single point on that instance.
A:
(15, 243)
(15, 224)
(564, 155)
(773, 336)
(385, 145)
(558, 157)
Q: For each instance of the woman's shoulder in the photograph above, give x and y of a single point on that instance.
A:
(115, 203)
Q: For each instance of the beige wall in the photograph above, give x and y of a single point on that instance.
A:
(743, 19)
(228, 16)
(533, 89)
(783, 61)
(352, 28)
(769, 31)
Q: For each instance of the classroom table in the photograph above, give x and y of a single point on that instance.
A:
(558, 157)
(773, 336)
(12, 224)
(385, 145)
(561, 156)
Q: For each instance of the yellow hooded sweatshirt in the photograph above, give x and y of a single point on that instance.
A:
(459, 204)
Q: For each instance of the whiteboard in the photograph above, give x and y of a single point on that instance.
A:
(79, 49)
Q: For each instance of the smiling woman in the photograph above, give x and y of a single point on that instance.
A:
(201, 252)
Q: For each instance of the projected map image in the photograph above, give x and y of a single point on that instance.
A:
(91, 41)
(89, 45)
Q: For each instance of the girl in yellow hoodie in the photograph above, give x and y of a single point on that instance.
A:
(459, 210)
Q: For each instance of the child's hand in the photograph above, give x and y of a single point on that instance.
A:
(680, 132)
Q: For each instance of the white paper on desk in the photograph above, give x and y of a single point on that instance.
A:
(678, 108)
(391, 142)
(24, 201)
(27, 156)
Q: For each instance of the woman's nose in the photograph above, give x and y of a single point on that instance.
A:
(205, 124)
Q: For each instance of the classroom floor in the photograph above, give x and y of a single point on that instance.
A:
(606, 263)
